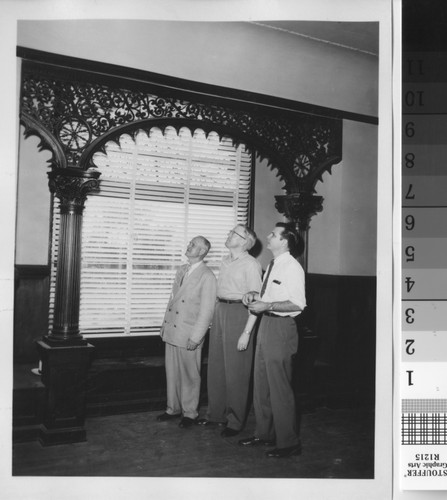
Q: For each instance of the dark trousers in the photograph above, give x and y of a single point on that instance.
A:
(274, 400)
(229, 370)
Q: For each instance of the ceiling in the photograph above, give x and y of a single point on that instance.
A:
(363, 37)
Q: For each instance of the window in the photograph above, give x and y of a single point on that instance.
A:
(158, 190)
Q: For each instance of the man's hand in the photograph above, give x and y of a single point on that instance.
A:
(258, 306)
(249, 297)
(191, 345)
(243, 341)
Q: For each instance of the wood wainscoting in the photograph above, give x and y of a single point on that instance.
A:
(31, 302)
(341, 312)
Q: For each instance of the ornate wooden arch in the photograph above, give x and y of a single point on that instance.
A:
(33, 127)
(78, 111)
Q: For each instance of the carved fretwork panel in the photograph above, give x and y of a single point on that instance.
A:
(77, 115)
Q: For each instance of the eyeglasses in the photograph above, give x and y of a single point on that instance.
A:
(240, 235)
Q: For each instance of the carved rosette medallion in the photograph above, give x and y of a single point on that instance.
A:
(74, 133)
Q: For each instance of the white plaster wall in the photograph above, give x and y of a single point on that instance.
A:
(324, 233)
(358, 218)
(267, 185)
(343, 238)
(33, 203)
(236, 55)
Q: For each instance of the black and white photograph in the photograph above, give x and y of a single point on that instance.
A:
(201, 250)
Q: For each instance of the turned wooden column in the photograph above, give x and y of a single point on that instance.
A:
(64, 353)
(71, 186)
(299, 208)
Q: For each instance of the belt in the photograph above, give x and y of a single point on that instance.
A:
(229, 301)
(273, 315)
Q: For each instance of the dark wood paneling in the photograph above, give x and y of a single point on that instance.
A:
(342, 314)
(125, 347)
(30, 310)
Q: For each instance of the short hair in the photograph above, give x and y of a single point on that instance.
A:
(250, 235)
(205, 243)
(295, 242)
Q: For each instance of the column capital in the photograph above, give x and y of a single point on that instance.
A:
(299, 207)
(72, 186)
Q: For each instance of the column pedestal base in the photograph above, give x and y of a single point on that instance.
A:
(64, 375)
(49, 437)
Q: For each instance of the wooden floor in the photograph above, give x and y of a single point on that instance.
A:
(336, 444)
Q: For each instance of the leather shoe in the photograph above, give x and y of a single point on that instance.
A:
(284, 452)
(255, 441)
(186, 422)
(209, 423)
(228, 432)
(168, 416)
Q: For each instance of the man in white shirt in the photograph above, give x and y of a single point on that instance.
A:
(281, 299)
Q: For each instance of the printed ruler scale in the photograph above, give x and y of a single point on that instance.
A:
(423, 356)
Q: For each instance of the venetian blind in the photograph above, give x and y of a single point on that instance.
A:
(158, 190)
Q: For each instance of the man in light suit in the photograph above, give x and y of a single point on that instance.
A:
(186, 322)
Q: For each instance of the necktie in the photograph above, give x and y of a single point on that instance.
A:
(185, 274)
(264, 284)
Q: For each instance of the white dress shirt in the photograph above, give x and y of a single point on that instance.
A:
(286, 282)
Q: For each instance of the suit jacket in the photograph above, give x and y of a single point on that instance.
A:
(191, 306)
